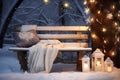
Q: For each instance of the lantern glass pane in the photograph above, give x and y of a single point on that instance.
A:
(99, 64)
(109, 68)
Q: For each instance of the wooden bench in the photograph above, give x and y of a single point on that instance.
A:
(79, 35)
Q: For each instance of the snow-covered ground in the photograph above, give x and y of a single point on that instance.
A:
(10, 70)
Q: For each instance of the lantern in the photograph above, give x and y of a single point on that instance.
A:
(97, 60)
(108, 65)
(85, 64)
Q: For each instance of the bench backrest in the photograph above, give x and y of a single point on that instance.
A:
(79, 34)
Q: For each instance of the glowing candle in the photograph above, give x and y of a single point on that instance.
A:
(109, 68)
(108, 65)
(85, 66)
(98, 65)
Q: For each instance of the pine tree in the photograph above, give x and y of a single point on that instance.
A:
(104, 23)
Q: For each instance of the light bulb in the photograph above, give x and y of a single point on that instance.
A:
(85, 2)
(115, 23)
(91, 19)
(105, 41)
(104, 51)
(113, 7)
(99, 12)
(92, 1)
(104, 29)
(118, 39)
(94, 36)
(109, 15)
(112, 53)
(46, 1)
(66, 5)
(87, 10)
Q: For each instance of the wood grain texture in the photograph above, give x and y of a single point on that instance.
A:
(63, 36)
(63, 28)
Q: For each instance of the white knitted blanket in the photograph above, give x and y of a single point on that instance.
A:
(42, 55)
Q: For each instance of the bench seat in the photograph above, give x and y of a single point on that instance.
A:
(67, 47)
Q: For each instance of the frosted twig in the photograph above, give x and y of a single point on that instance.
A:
(74, 15)
(80, 9)
(46, 19)
(18, 20)
(40, 21)
(72, 19)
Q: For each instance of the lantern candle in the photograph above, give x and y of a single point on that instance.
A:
(109, 69)
(99, 65)
(97, 60)
(108, 65)
(85, 64)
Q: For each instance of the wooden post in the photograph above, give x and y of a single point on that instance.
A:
(22, 57)
(79, 57)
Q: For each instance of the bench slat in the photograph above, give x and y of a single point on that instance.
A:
(61, 28)
(60, 49)
(66, 45)
(63, 36)
(75, 49)
(85, 45)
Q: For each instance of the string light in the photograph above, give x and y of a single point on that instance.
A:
(87, 10)
(109, 16)
(113, 6)
(92, 1)
(118, 14)
(91, 19)
(105, 41)
(112, 53)
(104, 51)
(104, 29)
(94, 36)
(89, 29)
(118, 39)
(85, 2)
(99, 12)
(46, 1)
(66, 4)
(115, 23)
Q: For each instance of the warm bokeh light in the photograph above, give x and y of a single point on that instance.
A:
(92, 1)
(92, 19)
(99, 12)
(87, 10)
(113, 6)
(112, 53)
(118, 13)
(109, 15)
(46, 1)
(104, 51)
(105, 41)
(85, 2)
(66, 4)
(115, 23)
(94, 36)
(118, 39)
(104, 29)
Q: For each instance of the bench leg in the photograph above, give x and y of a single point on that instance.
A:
(22, 57)
(79, 60)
